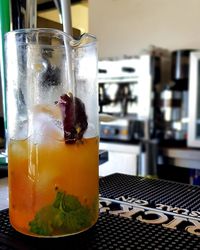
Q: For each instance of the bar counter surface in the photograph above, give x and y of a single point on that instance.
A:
(135, 213)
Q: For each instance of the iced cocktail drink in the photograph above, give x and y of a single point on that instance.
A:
(53, 185)
(52, 152)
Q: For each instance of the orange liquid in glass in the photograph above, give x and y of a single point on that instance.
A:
(38, 171)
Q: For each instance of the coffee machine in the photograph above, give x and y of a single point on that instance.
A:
(126, 91)
(118, 97)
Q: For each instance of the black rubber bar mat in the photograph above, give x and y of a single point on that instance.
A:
(135, 213)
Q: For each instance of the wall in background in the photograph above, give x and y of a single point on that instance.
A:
(79, 14)
(125, 27)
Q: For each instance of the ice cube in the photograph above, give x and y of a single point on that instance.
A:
(19, 149)
(45, 124)
(20, 130)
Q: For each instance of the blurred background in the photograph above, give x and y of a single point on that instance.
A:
(148, 80)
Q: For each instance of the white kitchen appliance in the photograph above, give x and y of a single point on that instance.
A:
(126, 91)
(193, 139)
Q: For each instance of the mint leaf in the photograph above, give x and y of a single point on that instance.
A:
(70, 203)
(65, 215)
(43, 223)
(75, 220)
(58, 200)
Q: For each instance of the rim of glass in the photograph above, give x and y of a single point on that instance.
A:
(57, 33)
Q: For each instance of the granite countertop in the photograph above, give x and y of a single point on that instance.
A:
(3, 193)
(186, 153)
(182, 157)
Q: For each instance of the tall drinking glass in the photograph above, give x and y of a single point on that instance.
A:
(52, 104)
